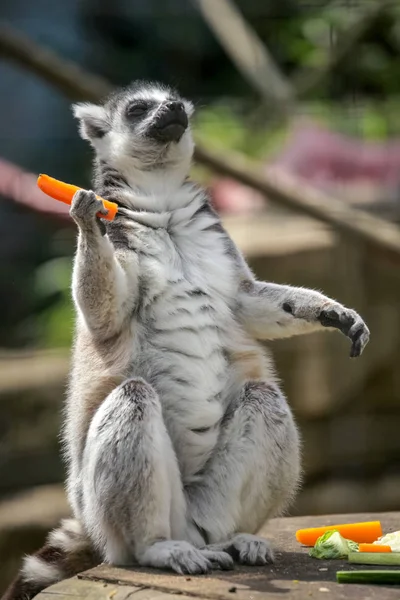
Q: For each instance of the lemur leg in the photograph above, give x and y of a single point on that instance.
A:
(251, 476)
(133, 501)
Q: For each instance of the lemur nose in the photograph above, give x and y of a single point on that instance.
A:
(175, 106)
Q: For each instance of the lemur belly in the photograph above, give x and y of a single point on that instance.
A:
(184, 358)
(182, 336)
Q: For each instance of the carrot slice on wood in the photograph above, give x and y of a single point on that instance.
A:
(374, 548)
(65, 192)
(357, 532)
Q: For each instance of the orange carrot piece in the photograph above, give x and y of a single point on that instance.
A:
(358, 532)
(374, 548)
(65, 192)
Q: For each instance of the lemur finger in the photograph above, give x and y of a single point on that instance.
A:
(256, 552)
(192, 564)
(219, 560)
(252, 556)
(103, 210)
(85, 206)
(84, 197)
(359, 335)
(355, 349)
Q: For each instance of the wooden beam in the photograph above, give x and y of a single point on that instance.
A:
(295, 194)
(248, 53)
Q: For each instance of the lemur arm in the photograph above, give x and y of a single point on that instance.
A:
(105, 282)
(271, 311)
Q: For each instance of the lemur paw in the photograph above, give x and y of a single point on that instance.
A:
(84, 208)
(348, 322)
(247, 549)
(183, 558)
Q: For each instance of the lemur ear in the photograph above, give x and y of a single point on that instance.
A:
(93, 120)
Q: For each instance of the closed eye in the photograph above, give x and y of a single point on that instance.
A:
(137, 109)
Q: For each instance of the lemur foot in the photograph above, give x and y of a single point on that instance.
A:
(84, 208)
(246, 549)
(183, 558)
(348, 322)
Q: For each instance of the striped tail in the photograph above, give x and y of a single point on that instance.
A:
(67, 551)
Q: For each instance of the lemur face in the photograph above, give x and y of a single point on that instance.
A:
(162, 122)
(145, 123)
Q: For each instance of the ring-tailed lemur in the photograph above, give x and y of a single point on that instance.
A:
(179, 442)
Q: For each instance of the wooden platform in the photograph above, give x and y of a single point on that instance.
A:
(294, 575)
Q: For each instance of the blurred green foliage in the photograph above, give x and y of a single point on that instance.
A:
(56, 324)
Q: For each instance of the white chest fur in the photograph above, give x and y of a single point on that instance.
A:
(183, 325)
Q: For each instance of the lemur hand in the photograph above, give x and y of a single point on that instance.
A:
(348, 322)
(84, 208)
(332, 314)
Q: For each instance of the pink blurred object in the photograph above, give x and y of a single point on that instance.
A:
(20, 186)
(329, 160)
(321, 155)
(231, 196)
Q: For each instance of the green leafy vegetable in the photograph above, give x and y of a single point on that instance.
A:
(332, 545)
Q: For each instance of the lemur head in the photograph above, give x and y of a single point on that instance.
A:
(144, 127)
